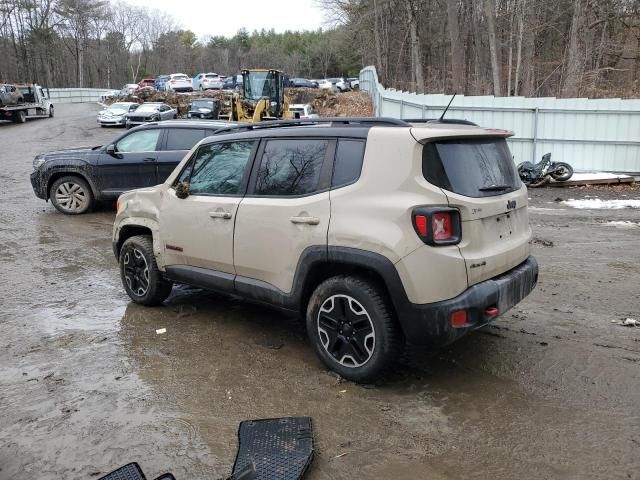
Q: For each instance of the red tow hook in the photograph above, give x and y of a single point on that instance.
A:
(491, 312)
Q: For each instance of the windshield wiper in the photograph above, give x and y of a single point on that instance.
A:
(495, 188)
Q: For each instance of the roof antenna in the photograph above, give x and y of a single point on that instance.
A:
(445, 110)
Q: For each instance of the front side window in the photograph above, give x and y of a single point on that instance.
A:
(142, 141)
(290, 167)
(218, 169)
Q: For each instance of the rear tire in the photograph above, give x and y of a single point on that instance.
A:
(353, 329)
(139, 272)
(565, 174)
(20, 116)
(71, 195)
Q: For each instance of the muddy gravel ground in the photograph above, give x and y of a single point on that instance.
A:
(550, 391)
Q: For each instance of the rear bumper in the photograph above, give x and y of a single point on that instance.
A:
(430, 324)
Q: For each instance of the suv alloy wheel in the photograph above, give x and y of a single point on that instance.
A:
(139, 272)
(71, 195)
(352, 328)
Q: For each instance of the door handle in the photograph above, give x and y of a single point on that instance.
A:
(149, 159)
(305, 220)
(223, 215)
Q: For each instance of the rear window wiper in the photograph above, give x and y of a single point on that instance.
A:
(495, 188)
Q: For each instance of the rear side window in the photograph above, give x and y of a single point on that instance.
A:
(140, 141)
(348, 164)
(473, 167)
(290, 167)
(183, 138)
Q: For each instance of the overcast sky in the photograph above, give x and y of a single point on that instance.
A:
(226, 17)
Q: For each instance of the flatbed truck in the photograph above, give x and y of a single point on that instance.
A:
(36, 105)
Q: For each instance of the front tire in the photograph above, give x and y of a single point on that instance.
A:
(71, 195)
(564, 172)
(352, 328)
(51, 113)
(139, 272)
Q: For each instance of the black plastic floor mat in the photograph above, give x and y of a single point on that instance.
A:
(131, 471)
(279, 448)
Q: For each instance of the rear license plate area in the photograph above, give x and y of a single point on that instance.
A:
(504, 226)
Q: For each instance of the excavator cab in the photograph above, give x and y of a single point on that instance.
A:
(261, 98)
(265, 84)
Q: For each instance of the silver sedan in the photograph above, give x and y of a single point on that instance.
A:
(151, 112)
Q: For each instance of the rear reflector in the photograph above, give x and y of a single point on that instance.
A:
(459, 318)
(491, 312)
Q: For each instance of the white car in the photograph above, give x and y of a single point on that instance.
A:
(129, 89)
(341, 84)
(304, 110)
(179, 82)
(109, 94)
(206, 81)
(327, 85)
(115, 115)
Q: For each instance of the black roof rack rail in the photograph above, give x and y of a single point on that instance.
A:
(363, 121)
(455, 121)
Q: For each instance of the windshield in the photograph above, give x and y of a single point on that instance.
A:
(147, 108)
(118, 108)
(202, 104)
(259, 85)
(211, 76)
(180, 77)
(474, 168)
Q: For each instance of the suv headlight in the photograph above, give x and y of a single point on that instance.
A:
(38, 161)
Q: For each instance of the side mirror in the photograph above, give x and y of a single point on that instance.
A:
(111, 149)
(183, 190)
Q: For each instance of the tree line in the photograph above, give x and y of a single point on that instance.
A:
(564, 48)
(100, 43)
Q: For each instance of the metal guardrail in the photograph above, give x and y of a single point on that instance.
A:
(590, 134)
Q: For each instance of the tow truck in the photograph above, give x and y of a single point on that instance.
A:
(36, 104)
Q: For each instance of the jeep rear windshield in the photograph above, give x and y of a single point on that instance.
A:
(471, 167)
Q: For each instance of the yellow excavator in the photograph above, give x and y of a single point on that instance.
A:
(261, 98)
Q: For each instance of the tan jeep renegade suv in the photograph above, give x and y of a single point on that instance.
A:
(378, 231)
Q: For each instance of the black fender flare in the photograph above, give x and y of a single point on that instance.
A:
(73, 167)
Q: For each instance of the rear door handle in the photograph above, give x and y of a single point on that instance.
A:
(223, 215)
(305, 220)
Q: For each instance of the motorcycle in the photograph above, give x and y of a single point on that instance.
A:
(542, 172)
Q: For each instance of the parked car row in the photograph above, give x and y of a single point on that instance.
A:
(335, 84)
(180, 82)
(129, 114)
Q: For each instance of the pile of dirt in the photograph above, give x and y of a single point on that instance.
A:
(326, 103)
(348, 104)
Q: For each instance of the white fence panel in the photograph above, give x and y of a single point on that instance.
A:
(76, 95)
(590, 134)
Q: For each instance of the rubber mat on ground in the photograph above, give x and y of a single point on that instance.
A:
(132, 471)
(278, 448)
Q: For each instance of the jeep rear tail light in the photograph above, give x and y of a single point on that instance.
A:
(437, 226)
